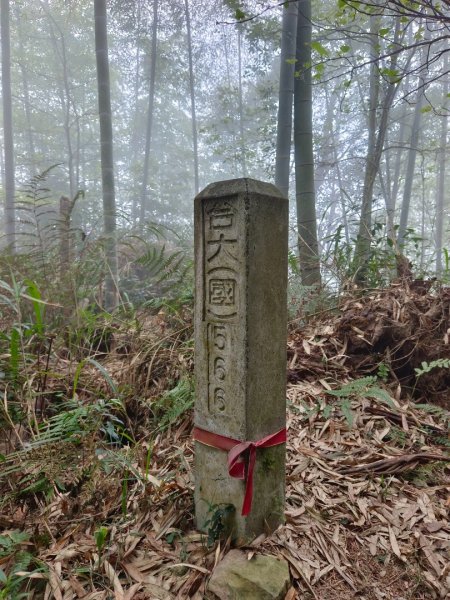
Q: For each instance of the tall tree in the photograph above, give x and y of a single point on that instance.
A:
(440, 183)
(106, 143)
(192, 92)
(10, 223)
(64, 98)
(304, 157)
(149, 127)
(241, 106)
(377, 128)
(362, 248)
(136, 110)
(412, 153)
(393, 179)
(26, 95)
(286, 91)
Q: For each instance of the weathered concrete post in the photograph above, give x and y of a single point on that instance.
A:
(241, 231)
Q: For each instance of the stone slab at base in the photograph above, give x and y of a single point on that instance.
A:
(260, 578)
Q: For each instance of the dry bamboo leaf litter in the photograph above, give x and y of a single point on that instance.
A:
(368, 491)
(373, 512)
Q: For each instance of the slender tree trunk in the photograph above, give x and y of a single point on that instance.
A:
(241, 108)
(285, 96)
(151, 101)
(10, 223)
(395, 179)
(26, 96)
(334, 157)
(341, 191)
(375, 146)
(192, 92)
(440, 183)
(226, 51)
(399, 163)
(362, 248)
(409, 176)
(64, 93)
(422, 221)
(65, 206)
(107, 163)
(412, 154)
(304, 158)
(386, 188)
(77, 153)
(135, 125)
(84, 132)
(68, 107)
(323, 175)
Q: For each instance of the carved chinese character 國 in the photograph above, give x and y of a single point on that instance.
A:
(222, 292)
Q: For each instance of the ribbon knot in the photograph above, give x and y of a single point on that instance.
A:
(241, 456)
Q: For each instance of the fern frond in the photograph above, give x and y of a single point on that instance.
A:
(355, 387)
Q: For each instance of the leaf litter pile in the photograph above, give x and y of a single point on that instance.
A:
(97, 503)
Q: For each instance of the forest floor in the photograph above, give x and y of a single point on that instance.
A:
(97, 503)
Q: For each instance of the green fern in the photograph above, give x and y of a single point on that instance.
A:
(438, 412)
(360, 388)
(157, 269)
(363, 388)
(14, 355)
(38, 218)
(356, 387)
(74, 422)
(21, 564)
(218, 522)
(33, 293)
(346, 409)
(434, 410)
(426, 367)
(174, 403)
(163, 265)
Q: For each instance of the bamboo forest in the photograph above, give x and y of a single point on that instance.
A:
(224, 299)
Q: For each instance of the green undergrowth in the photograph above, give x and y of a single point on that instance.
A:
(75, 434)
(92, 400)
(174, 403)
(18, 563)
(350, 400)
(71, 432)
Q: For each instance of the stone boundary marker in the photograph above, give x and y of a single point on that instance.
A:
(241, 233)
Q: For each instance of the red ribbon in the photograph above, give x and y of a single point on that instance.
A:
(241, 456)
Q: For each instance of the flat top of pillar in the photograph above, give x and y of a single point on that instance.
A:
(244, 185)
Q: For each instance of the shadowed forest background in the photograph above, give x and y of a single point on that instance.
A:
(194, 97)
(115, 115)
